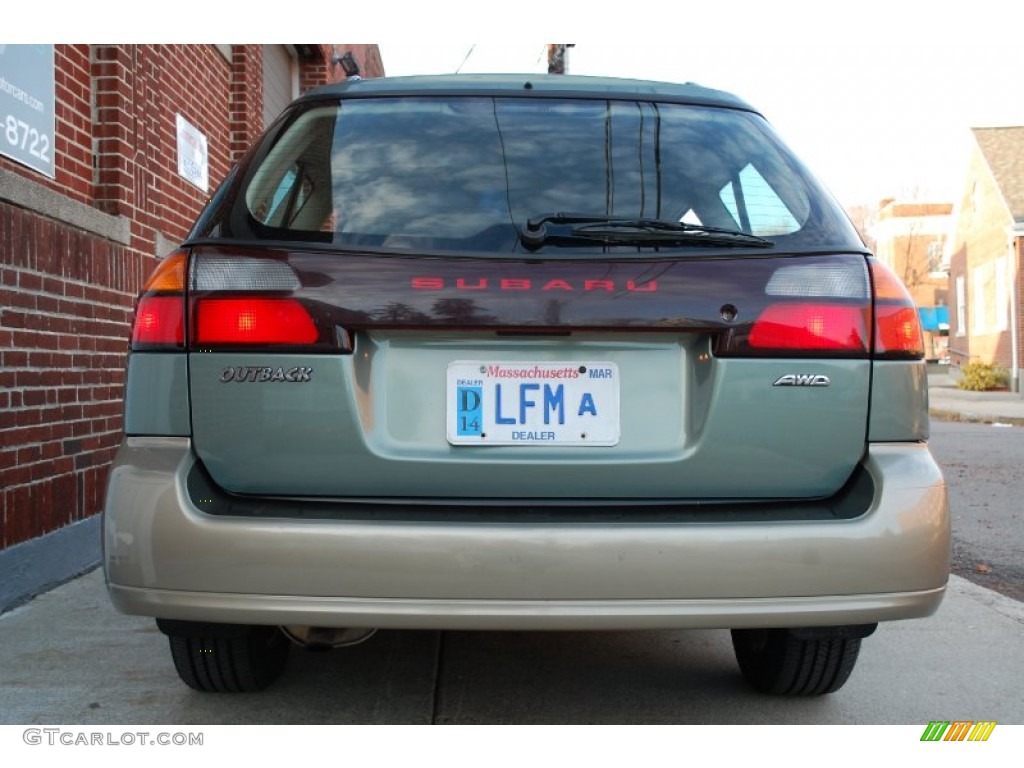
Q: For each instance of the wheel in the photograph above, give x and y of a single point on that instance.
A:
(781, 661)
(245, 660)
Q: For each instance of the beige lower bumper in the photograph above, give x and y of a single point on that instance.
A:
(165, 558)
(527, 614)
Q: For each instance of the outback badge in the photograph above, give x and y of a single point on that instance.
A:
(802, 380)
(261, 373)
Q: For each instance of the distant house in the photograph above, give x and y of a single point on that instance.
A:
(988, 247)
(912, 239)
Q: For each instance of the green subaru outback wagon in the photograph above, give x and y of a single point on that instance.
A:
(524, 353)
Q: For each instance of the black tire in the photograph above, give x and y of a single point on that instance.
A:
(246, 662)
(778, 662)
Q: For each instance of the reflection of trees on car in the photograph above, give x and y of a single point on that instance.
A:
(461, 312)
(397, 312)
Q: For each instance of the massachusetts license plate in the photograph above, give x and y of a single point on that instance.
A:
(496, 403)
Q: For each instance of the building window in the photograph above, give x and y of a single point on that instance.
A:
(999, 296)
(936, 263)
(979, 298)
(961, 307)
(988, 297)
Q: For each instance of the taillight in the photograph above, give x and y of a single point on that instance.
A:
(237, 302)
(841, 306)
(810, 327)
(243, 321)
(160, 311)
(897, 324)
(240, 301)
(819, 308)
(159, 320)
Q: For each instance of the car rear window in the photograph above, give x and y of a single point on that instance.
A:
(466, 172)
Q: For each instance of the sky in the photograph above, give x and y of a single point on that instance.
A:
(870, 120)
(876, 96)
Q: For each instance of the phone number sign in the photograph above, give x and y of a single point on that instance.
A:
(27, 106)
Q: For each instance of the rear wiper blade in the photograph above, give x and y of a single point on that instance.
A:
(632, 231)
(643, 232)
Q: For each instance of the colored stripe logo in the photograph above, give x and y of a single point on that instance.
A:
(958, 730)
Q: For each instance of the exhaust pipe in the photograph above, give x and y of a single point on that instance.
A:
(327, 638)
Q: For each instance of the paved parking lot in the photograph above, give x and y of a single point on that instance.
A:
(68, 657)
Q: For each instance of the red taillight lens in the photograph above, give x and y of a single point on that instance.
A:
(810, 327)
(898, 330)
(897, 324)
(246, 321)
(159, 320)
(160, 312)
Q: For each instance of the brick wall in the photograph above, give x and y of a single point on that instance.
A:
(71, 265)
(246, 113)
(319, 68)
(66, 298)
(74, 135)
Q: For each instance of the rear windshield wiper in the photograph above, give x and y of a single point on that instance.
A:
(631, 231)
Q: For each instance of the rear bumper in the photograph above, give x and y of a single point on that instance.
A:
(164, 557)
(526, 614)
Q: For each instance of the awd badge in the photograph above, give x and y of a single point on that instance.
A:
(802, 380)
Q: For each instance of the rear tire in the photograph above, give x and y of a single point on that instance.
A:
(777, 661)
(247, 661)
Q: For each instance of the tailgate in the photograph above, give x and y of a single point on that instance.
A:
(690, 390)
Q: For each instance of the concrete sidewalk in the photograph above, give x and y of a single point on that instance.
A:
(68, 657)
(948, 403)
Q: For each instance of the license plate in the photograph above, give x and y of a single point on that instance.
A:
(501, 403)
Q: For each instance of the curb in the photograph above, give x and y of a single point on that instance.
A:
(974, 418)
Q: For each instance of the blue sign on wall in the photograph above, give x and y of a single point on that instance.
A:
(27, 106)
(934, 318)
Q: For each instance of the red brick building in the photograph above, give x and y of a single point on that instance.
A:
(913, 239)
(986, 280)
(76, 247)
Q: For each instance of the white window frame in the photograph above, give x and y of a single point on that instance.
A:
(1000, 297)
(978, 300)
(961, 306)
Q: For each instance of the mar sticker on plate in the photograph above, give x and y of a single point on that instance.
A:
(501, 403)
